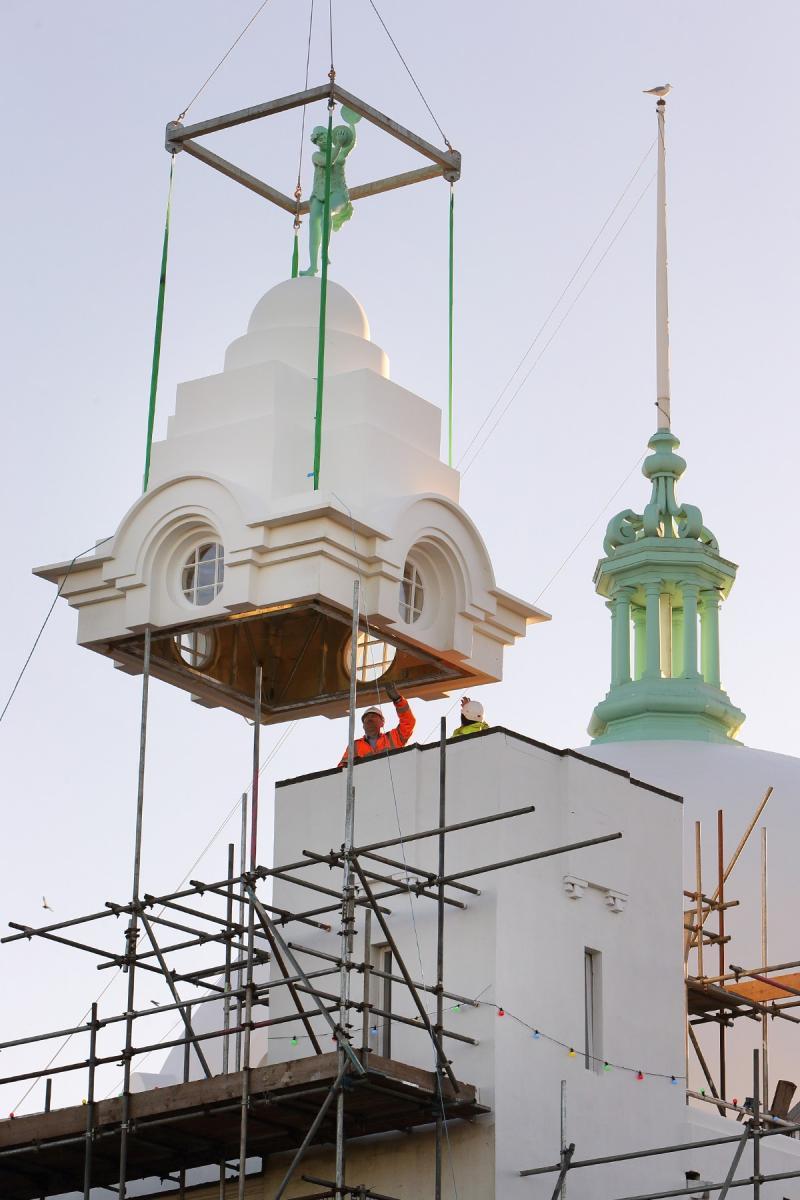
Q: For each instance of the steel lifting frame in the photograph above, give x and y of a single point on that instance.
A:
(441, 163)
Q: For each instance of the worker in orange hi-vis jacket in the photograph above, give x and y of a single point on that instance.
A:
(375, 741)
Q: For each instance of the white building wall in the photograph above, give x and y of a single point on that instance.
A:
(735, 779)
(521, 944)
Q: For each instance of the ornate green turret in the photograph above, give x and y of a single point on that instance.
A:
(663, 578)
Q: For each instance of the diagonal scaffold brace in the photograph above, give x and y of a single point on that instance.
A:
(442, 1059)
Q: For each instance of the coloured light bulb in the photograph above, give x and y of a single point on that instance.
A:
(571, 1053)
(501, 1012)
(640, 1075)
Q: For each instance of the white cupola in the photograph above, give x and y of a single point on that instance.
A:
(232, 559)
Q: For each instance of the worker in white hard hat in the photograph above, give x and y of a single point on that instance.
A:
(375, 741)
(471, 718)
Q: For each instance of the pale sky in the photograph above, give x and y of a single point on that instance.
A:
(545, 104)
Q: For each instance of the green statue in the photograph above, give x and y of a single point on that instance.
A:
(343, 140)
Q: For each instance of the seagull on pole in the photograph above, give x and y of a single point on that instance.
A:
(662, 91)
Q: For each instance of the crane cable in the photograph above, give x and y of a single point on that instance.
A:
(225, 56)
(556, 305)
(298, 191)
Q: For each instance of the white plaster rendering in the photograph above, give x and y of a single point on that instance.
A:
(521, 944)
(235, 469)
(735, 779)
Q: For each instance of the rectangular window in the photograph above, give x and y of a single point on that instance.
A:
(382, 999)
(386, 1004)
(592, 1010)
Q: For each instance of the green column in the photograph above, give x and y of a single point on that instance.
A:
(652, 668)
(665, 633)
(621, 636)
(677, 642)
(639, 649)
(611, 613)
(690, 591)
(709, 636)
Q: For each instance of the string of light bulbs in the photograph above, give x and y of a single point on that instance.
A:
(640, 1074)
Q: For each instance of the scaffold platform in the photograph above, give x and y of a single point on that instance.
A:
(174, 1128)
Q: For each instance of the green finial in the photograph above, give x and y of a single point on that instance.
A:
(343, 140)
(663, 516)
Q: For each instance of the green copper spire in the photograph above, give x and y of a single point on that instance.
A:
(663, 578)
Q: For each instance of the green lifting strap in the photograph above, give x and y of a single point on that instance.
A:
(162, 287)
(295, 255)
(323, 301)
(450, 345)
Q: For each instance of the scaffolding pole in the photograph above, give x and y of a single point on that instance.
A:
(227, 1001)
(248, 1001)
(87, 1155)
(240, 978)
(721, 902)
(348, 888)
(440, 899)
(132, 932)
(764, 960)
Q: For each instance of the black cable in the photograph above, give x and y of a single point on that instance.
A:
(555, 306)
(555, 332)
(588, 530)
(44, 623)
(410, 74)
(305, 107)
(227, 53)
(330, 27)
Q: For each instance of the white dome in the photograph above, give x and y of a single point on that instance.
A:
(295, 304)
(284, 327)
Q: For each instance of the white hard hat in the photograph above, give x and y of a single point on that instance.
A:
(472, 710)
(375, 711)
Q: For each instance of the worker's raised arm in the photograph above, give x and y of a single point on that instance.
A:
(406, 718)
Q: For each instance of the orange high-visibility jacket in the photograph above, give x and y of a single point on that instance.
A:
(387, 741)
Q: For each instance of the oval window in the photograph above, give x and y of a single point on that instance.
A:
(412, 593)
(203, 573)
(373, 657)
(196, 647)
